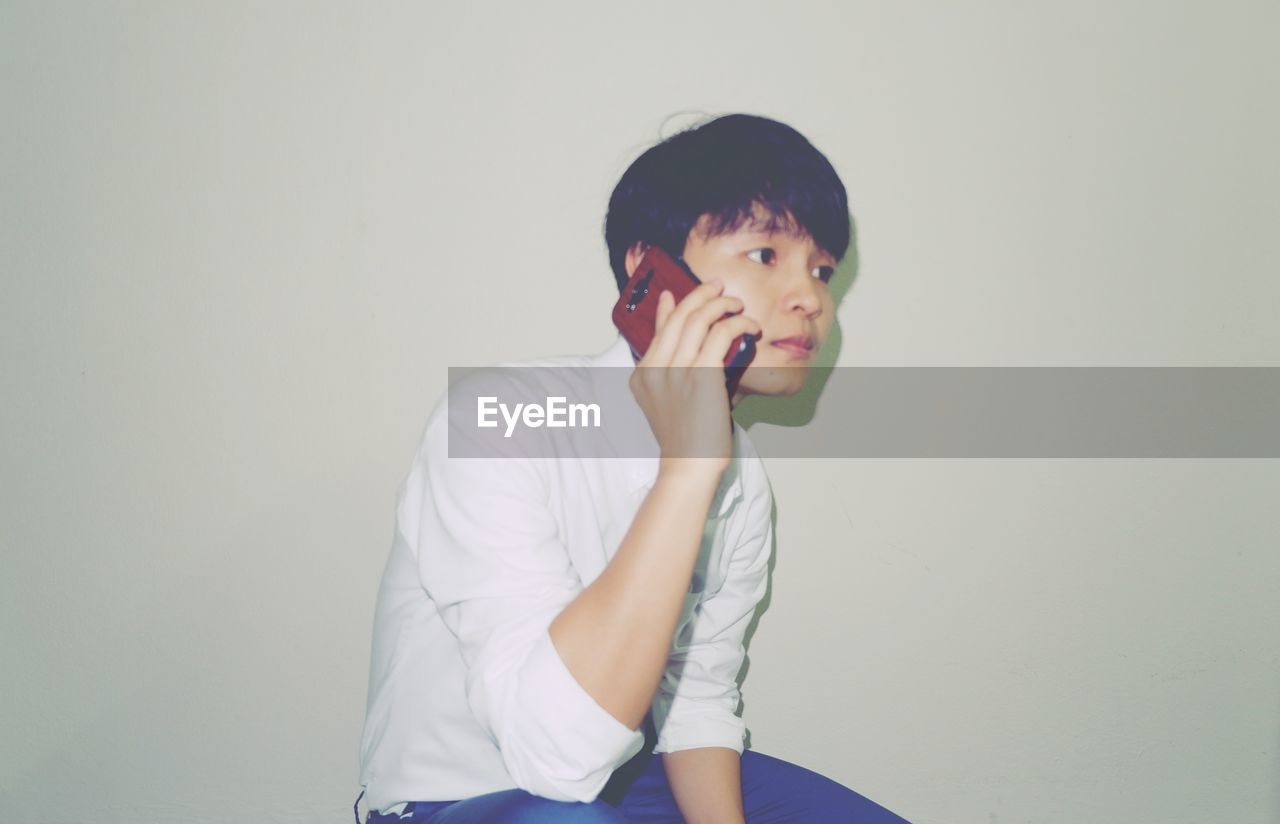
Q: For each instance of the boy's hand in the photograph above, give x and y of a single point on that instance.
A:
(679, 383)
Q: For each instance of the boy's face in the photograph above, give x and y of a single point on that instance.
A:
(781, 279)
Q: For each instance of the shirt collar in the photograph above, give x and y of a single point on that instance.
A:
(641, 472)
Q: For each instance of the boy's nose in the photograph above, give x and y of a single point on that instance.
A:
(805, 295)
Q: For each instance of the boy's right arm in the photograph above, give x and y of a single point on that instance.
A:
(561, 676)
(614, 637)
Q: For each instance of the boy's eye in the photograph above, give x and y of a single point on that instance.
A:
(768, 256)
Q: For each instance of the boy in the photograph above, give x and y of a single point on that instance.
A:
(543, 632)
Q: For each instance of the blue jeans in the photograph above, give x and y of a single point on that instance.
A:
(773, 791)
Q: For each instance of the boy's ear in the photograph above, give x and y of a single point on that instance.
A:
(633, 257)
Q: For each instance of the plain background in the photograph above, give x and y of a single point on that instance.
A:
(241, 242)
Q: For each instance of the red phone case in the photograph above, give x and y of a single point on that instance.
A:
(636, 312)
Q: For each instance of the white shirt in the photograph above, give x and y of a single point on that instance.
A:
(467, 694)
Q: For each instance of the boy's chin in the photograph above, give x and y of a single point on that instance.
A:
(773, 380)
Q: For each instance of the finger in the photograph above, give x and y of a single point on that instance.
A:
(659, 349)
(699, 323)
(666, 303)
(666, 340)
(722, 335)
(701, 294)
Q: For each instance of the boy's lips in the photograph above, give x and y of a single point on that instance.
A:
(798, 345)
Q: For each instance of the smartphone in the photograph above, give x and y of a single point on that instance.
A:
(636, 312)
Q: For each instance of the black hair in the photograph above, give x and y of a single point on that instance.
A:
(727, 169)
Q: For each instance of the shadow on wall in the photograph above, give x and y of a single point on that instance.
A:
(796, 410)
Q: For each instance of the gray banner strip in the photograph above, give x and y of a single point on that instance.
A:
(901, 412)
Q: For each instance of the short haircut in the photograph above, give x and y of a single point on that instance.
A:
(730, 169)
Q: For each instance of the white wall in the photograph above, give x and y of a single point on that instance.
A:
(241, 242)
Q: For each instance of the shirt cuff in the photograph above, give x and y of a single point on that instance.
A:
(690, 730)
(581, 743)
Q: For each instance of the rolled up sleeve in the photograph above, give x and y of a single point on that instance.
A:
(697, 700)
(491, 556)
